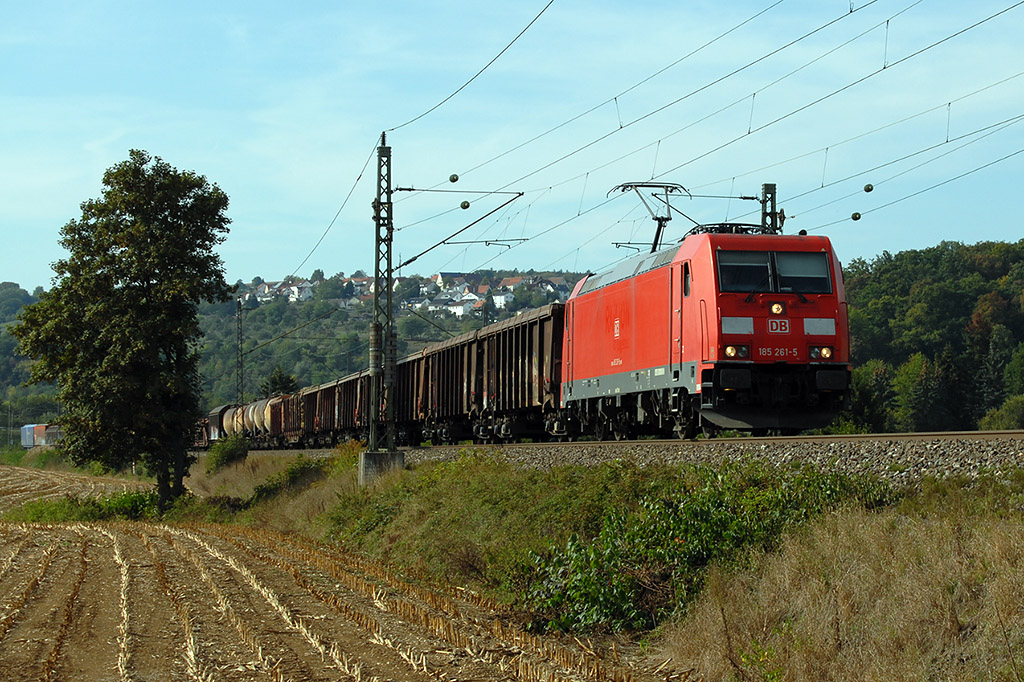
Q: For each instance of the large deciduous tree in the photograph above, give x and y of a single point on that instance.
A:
(118, 332)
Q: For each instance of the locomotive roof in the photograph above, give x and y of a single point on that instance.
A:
(645, 262)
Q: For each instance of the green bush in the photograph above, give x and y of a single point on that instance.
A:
(474, 521)
(644, 564)
(1007, 417)
(226, 451)
(128, 505)
(12, 454)
(300, 471)
(45, 458)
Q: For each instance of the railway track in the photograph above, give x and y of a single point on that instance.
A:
(898, 457)
(902, 458)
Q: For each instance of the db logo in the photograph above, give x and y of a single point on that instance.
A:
(617, 327)
(778, 326)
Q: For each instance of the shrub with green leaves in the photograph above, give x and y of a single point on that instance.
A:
(226, 451)
(128, 505)
(300, 471)
(644, 564)
(12, 454)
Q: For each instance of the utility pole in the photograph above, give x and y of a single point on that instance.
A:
(383, 344)
(771, 219)
(239, 358)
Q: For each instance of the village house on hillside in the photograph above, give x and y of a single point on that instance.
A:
(502, 299)
(458, 294)
(295, 292)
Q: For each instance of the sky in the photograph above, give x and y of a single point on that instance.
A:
(282, 105)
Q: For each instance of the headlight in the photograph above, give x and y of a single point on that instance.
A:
(737, 352)
(826, 352)
(821, 352)
(778, 308)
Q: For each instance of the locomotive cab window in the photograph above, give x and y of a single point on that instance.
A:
(790, 272)
(743, 271)
(805, 273)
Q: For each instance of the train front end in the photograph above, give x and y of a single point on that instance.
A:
(776, 351)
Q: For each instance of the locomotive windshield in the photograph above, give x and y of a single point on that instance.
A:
(803, 272)
(796, 272)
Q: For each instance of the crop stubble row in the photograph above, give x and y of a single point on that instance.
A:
(137, 601)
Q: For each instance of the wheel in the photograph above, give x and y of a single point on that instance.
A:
(624, 432)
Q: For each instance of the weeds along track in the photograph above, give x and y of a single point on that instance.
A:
(22, 484)
(204, 603)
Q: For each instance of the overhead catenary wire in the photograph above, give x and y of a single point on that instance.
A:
(860, 136)
(726, 107)
(678, 100)
(926, 189)
(852, 84)
(677, 61)
(780, 118)
(991, 130)
(683, 98)
(477, 74)
(344, 203)
(425, 113)
(580, 211)
(290, 331)
(978, 135)
(615, 98)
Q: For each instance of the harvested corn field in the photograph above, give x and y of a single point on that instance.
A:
(19, 485)
(146, 601)
(137, 601)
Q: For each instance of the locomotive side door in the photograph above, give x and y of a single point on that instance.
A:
(567, 351)
(676, 310)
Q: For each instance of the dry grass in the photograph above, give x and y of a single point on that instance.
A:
(237, 479)
(863, 596)
(303, 511)
(303, 504)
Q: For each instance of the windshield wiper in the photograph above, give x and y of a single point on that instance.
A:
(750, 296)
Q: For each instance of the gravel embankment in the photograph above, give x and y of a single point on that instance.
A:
(899, 461)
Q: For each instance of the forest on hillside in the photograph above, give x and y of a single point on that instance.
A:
(937, 339)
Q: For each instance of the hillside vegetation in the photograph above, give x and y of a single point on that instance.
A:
(937, 339)
(316, 341)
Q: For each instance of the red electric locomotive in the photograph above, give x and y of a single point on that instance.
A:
(736, 327)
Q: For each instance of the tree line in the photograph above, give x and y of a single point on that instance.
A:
(936, 338)
(936, 341)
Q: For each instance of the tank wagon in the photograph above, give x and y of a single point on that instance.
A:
(733, 327)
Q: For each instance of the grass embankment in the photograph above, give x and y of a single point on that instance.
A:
(746, 572)
(38, 458)
(928, 589)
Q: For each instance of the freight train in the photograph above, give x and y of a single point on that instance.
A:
(36, 435)
(735, 327)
